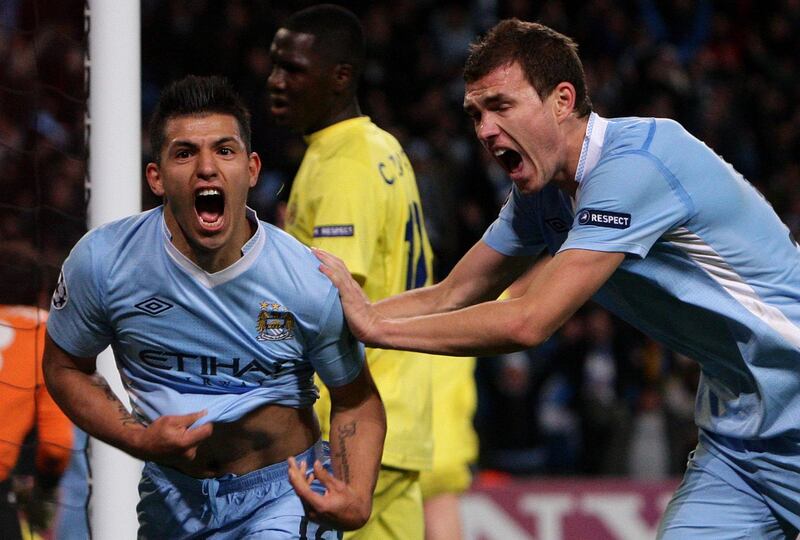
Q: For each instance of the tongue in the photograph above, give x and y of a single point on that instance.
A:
(209, 208)
(208, 216)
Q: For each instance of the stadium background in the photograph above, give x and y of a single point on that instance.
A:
(598, 399)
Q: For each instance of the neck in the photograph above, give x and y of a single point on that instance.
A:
(210, 258)
(339, 114)
(575, 132)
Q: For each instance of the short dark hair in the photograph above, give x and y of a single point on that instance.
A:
(195, 95)
(338, 32)
(546, 57)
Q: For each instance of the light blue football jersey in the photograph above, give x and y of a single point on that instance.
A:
(186, 340)
(710, 270)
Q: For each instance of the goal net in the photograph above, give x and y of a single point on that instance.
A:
(43, 160)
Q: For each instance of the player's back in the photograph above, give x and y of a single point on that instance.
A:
(380, 224)
(730, 263)
(355, 195)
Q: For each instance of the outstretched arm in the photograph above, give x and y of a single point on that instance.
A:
(556, 291)
(358, 428)
(87, 399)
(481, 275)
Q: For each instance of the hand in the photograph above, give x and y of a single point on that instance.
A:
(168, 439)
(340, 505)
(362, 317)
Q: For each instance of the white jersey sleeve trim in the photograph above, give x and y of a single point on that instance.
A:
(720, 271)
(592, 146)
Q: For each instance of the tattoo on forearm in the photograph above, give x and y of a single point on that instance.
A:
(345, 432)
(125, 417)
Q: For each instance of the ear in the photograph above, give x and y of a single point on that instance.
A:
(342, 77)
(154, 180)
(254, 167)
(564, 100)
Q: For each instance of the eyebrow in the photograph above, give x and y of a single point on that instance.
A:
(492, 99)
(185, 143)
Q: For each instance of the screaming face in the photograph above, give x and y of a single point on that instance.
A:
(204, 175)
(517, 128)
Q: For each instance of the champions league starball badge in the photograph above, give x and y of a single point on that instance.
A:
(60, 295)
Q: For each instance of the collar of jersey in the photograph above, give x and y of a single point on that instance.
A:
(336, 128)
(592, 146)
(250, 252)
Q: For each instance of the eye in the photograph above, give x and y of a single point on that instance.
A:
(226, 151)
(183, 154)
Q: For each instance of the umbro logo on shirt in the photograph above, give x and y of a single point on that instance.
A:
(153, 306)
(557, 224)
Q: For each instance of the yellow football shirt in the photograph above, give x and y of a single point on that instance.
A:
(355, 195)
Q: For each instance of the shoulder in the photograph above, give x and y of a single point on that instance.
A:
(282, 246)
(100, 248)
(117, 233)
(644, 135)
(292, 268)
(359, 142)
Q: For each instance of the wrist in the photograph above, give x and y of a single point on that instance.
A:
(381, 332)
(134, 442)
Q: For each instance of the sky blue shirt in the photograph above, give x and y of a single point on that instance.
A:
(186, 340)
(710, 270)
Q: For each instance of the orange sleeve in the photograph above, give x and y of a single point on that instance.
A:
(18, 375)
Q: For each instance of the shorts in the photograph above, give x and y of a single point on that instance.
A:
(443, 479)
(396, 508)
(736, 489)
(455, 443)
(259, 504)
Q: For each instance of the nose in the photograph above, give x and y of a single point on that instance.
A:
(206, 165)
(487, 129)
(276, 80)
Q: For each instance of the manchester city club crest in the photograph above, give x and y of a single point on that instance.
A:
(275, 323)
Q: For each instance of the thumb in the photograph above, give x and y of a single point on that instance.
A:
(189, 419)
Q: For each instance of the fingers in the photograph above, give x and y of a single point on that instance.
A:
(194, 436)
(189, 419)
(302, 484)
(323, 255)
(326, 478)
(332, 265)
(171, 436)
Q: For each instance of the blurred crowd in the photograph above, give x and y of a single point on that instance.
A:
(598, 398)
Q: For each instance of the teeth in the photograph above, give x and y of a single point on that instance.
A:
(208, 191)
(500, 152)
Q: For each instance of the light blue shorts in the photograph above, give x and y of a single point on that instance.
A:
(737, 489)
(259, 504)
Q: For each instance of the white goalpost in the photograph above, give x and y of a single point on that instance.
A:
(114, 139)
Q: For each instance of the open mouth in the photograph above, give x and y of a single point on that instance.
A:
(209, 203)
(511, 160)
(277, 104)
